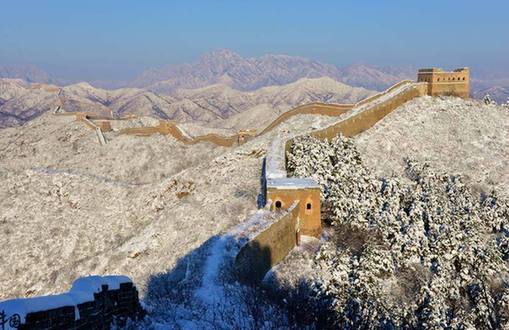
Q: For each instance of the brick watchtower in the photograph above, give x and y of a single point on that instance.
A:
(454, 83)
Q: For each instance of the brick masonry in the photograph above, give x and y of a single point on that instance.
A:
(109, 306)
(269, 247)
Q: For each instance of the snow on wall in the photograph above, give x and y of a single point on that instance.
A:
(275, 167)
(87, 286)
(227, 246)
(269, 246)
(83, 290)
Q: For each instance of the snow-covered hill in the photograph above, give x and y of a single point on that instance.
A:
(453, 135)
(155, 209)
(212, 103)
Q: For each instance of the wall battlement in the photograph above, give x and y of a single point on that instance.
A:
(93, 302)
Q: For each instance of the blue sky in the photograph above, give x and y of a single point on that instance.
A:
(118, 39)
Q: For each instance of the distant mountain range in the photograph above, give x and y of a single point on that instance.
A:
(229, 68)
(20, 102)
(221, 84)
(498, 89)
(28, 73)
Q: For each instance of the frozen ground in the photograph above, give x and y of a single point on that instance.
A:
(159, 211)
(69, 207)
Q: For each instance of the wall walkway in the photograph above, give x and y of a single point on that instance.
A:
(324, 109)
(363, 116)
(269, 247)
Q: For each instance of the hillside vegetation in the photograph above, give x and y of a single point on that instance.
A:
(422, 252)
(451, 134)
(404, 243)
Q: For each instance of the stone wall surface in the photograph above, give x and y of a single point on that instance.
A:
(381, 94)
(332, 110)
(228, 141)
(452, 83)
(92, 303)
(170, 128)
(308, 208)
(269, 247)
(369, 117)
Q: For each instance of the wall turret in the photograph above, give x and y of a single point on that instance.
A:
(453, 83)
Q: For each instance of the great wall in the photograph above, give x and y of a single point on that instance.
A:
(292, 206)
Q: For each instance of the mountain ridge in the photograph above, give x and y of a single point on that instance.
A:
(223, 66)
(202, 105)
(255, 72)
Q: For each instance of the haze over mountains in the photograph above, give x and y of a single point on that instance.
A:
(221, 84)
(227, 67)
(498, 89)
(28, 73)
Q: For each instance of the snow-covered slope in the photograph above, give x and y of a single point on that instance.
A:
(69, 207)
(20, 102)
(214, 103)
(417, 249)
(451, 134)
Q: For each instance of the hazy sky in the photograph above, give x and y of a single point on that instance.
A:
(104, 39)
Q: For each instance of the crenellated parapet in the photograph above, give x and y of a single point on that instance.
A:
(93, 302)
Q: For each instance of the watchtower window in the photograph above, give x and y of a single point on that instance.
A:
(308, 206)
(278, 204)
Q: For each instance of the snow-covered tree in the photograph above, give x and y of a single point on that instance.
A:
(488, 100)
(421, 252)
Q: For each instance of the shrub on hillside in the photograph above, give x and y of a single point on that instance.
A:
(421, 251)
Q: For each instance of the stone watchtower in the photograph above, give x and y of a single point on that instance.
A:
(454, 83)
(283, 192)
